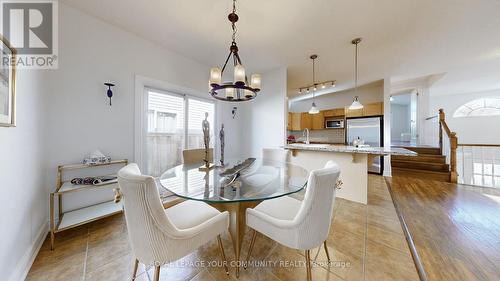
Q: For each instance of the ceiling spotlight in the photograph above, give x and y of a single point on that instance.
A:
(391, 99)
(300, 91)
(315, 87)
(333, 84)
(323, 86)
(308, 90)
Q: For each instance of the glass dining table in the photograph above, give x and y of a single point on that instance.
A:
(235, 186)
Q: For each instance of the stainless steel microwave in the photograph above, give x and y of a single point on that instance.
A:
(334, 124)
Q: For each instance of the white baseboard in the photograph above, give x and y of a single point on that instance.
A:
(23, 266)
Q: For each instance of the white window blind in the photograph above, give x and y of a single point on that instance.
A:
(168, 116)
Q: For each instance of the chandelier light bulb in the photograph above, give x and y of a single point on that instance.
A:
(255, 81)
(239, 74)
(215, 76)
(248, 94)
(230, 93)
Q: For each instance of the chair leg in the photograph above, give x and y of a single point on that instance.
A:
(223, 254)
(136, 265)
(157, 273)
(308, 265)
(252, 242)
(327, 253)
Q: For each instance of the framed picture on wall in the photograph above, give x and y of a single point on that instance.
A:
(7, 84)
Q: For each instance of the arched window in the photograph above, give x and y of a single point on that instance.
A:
(489, 106)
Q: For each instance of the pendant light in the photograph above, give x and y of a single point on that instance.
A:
(355, 103)
(314, 109)
(239, 89)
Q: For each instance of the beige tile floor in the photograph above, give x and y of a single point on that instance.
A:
(365, 243)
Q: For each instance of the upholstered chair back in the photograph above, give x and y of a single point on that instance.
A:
(192, 156)
(151, 233)
(315, 214)
(279, 155)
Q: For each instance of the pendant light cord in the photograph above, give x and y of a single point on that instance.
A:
(314, 80)
(356, 70)
(233, 25)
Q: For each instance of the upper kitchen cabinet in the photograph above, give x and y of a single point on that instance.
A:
(334, 112)
(353, 112)
(372, 109)
(318, 121)
(289, 122)
(295, 121)
(306, 121)
(300, 121)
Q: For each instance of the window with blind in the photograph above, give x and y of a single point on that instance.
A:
(174, 124)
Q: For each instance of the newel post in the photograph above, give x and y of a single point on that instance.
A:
(441, 120)
(453, 157)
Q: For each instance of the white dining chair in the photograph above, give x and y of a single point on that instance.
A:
(301, 225)
(274, 154)
(158, 236)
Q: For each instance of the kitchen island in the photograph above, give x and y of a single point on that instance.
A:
(353, 162)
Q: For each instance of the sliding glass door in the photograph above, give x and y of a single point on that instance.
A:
(174, 124)
(196, 114)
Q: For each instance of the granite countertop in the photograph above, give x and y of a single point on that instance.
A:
(351, 149)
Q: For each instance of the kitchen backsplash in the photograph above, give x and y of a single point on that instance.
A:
(327, 135)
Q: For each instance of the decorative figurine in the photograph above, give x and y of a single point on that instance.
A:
(206, 139)
(222, 144)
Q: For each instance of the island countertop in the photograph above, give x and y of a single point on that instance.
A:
(351, 149)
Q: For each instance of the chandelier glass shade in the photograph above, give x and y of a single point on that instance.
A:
(240, 89)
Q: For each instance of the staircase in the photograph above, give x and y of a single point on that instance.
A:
(429, 164)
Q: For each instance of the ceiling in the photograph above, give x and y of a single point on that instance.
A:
(401, 38)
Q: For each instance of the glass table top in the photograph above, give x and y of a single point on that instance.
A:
(251, 180)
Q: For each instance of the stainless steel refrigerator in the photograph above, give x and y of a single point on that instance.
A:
(370, 129)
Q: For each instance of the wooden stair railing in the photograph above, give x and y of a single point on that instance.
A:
(452, 136)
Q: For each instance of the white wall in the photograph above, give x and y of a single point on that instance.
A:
(23, 192)
(263, 119)
(480, 130)
(370, 93)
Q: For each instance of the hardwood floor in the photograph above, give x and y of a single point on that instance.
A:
(455, 228)
(366, 242)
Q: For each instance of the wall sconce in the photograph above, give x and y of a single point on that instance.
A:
(234, 111)
(109, 92)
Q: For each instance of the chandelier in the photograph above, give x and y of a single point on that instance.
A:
(239, 89)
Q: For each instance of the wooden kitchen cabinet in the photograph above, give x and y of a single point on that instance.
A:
(334, 112)
(338, 112)
(289, 122)
(329, 113)
(305, 121)
(353, 113)
(373, 109)
(318, 121)
(295, 121)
